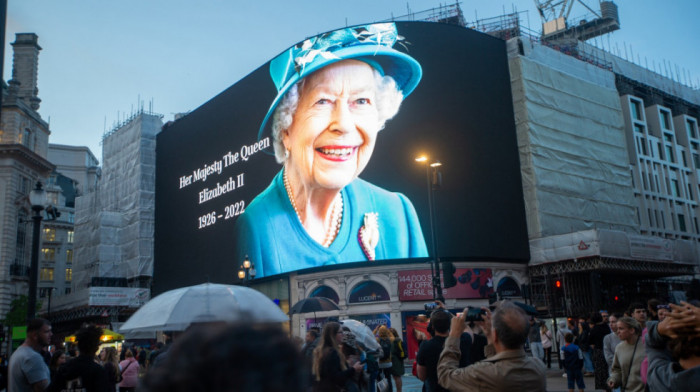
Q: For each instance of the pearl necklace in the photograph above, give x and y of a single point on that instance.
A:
(332, 223)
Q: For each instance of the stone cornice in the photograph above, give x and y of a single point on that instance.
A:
(29, 157)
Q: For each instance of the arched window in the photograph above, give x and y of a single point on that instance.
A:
(327, 292)
(368, 291)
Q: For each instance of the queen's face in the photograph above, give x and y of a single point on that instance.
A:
(335, 126)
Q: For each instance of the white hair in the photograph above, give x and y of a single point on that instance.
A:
(388, 100)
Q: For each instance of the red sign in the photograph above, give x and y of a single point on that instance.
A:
(471, 283)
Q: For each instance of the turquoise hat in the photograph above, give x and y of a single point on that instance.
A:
(371, 44)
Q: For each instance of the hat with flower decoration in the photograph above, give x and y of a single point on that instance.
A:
(372, 44)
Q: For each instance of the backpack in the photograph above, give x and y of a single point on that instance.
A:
(386, 348)
(402, 352)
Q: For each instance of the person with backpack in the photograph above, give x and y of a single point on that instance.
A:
(398, 354)
(385, 339)
(573, 363)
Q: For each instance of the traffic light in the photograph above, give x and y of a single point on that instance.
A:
(448, 275)
(558, 287)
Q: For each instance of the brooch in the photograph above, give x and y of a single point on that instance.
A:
(369, 234)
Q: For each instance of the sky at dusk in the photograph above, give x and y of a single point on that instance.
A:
(100, 57)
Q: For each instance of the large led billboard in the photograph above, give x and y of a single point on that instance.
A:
(332, 178)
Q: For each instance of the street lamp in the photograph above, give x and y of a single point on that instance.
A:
(37, 198)
(433, 177)
(247, 271)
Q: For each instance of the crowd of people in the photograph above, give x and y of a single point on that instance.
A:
(653, 347)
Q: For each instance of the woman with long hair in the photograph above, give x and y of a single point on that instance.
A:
(386, 341)
(330, 369)
(57, 359)
(546, 336)
(110, 361)
(398, 354)
(629, 354)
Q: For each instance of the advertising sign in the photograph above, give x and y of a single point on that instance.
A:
(118, 296)
(417, 285)
(264, 169)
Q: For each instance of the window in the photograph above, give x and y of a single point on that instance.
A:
(24, 186)
(52, 198)
(669, 154)
(69, 274)
(20, 248)
(663, 220)
(69, 255)
(49, 234)
(25, 138)
(651, 149)
(636, 108)
(681, 222)
(697, 229)
(690, 126)
(67, 290)
(690, 192)
(642, 146)
(668, 137)
(1, 135)
(639, 128)
(696, 160)
(665, 119)
(685, 162)
(676, 188)
(649, 214)
(46, 274)
(69, 236)
(49, 254)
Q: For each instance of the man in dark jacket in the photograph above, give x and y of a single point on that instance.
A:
(82, 371)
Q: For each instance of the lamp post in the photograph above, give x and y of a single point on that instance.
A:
(37, 198)
(247, 271)
(433, 178)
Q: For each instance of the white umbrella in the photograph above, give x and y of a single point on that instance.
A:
(176, 309)
(362, 334)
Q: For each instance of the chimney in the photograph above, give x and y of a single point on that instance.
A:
(25, 66)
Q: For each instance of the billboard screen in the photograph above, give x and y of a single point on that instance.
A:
(348, 159)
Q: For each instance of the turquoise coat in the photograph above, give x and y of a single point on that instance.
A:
(272, 236)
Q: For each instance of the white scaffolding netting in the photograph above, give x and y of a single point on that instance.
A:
(114, 225)
(573, 150)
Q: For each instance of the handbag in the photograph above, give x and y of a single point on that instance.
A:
(383, 385)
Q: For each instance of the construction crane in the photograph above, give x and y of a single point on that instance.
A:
(556, 24)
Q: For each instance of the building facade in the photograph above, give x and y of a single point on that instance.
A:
(24, 140)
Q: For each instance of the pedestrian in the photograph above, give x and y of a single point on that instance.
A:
(129, 372)
(611, 340)
(641, 313)
(28, 371)
(662, 311)
(83, 373)
(330, 368)
(110, 361)
(598, 332)
(673, 349)
(573, 363)
(57, 359)
(535, 340)
(506, 367)
(385, 338)
(561, 332)
(353, 354)
(628, 357)
(429, 352)
(582, 341)
(546, 337)
(398, 354)
(229, 357)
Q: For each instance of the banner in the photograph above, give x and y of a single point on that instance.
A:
(416, 285)
(132, 297)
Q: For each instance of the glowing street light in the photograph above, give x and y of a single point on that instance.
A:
(432, 180)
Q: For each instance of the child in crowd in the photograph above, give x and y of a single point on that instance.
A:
(573, 363)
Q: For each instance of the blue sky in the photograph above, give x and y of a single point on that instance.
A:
(99, 57)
